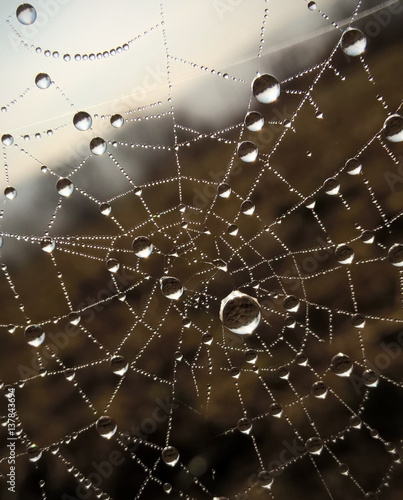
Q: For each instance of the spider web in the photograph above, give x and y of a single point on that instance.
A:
(134, 393)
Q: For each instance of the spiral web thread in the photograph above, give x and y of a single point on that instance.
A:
(316, 254)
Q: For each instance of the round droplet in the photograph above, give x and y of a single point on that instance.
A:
(117, 121)
(82, 121)
(235, 372)
(106, 427)
(247, 207)
(344, 254)
(34, 335)
(254, 121)
(314, 446)
(319, 390)
(353, 166)
(74, 318)
(251, 356)
(368, 237)
(69, 373)
(283, 372)
(265, 479)
(343, 469)
(170, 455)
(312, 6)
(341, 365)
(290, 322)
(171, 287)
(34, 453)
(7, 139)
(301, 359)
(247, 151)
(353, 42)
(47, 245)
(10, 193)
(26, 14)
(43, 81)
(275, 410)
(355, 421)
(119, 365)
(105, 209)
(240, 313)
(223, 190)
(358, 320)
(291, 303)
(331, 186)
(244, 425)
(64, 187)
(112, 265)
(370, 378)
(393, 128)
(266, 88)
(98, 146)
(232, 230)
(395, 254)
(167, 488)
(142, 247)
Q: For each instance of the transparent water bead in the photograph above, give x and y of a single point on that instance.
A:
(34, 453)
(105, 209)
(10, 193)
(310, 202)
(142, 247)
(266, 88)
(74, 318)
(355, 421)
(240, 313)
(370, 378)
(106, 427)
(341, 365)
(98, 146)
(368, 237)
(248, 207)
(48, 245)
(319, 390)
(251, 356)
(247, 151)
(254, 121)
(117, 121)
(167, 488)
(223, 190)
(353, 42)
(34, 335)
(64, 187)
(119, 365)
(265, 479)
(395, 254)
(232, 230)
(275, 410)
(331, 186)
(358, 320)
(112, 265)
(69, 374)
(170, 455)
(393, 128)
(353, 166)
(26, 14)
(244, 425)
(344, 254)
(343, 469)
(7, 140)
(291, 303)
(312, 6)
(314, 445)
(171, 287)
(43, 81)
(82, 121)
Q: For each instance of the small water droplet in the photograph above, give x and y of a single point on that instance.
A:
(170, 456)
(34, 335)
(240, 313)
(355, 421)
(34, 453)
(74, 318)
(167, 488)
(7, 139)
(119, 365)
(98, 146)
(393, 128)
(244, 425)
(26, 14)
(275, 410)
(291, 303)
(353, 42)
(64, 187)
(171, 287)
(105, 209)
(312, 6)
(235, 372)
(142, 247)
(106, 427)
(344, 254)
(69, 373)
(370, 378)
(43, 81)
(314, 445)
(265, 479)
(117, 121)
(266, 88)
(232, 230)
(358, 320)
(341, 365)
(223, 190)
(248, 207)
(254, 121)
(251, 356)
(112, 265)
(395, 254)
(368, 237)
(319, 390)
(331, 186)
(48, 245)
(10, 193)
(247, 151)
(82, 121)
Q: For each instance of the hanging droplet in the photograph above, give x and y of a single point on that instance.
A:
(393, 128)
(74, 318)
(34, 453)
(353, 42)
(240, 313)
(283, 372)
(344, 254)
(353, 166)
(244, 425)
(291, 303)
(167, 488)
(301, 359)
(105, 209)
(265, 479)
(319, 390)
(64, 187)
(235, 372)
(343, 469)
(170, 456)
(251, 356)
(142, 247)
(275, 410)
(368, 237)
(207, 338)
(26, 14)
(34, 335)
(247, 151)
(395, 254)
(98, 146)
(10, 193)
(119, 365)
(341, 365)
(355, 421)
(247, 207)
(223, 190)
(370, 378)
(171, 287)
(82, 121)
(7, 140)
(314, 446)
(106, 427)
(43, 81)
(266, 88)
(232, 230)
(117, 121)
(331, 186)
(254, 121)
(47, 245)
(69, 373)
(112, 265)
(312, 6)
(358, 320)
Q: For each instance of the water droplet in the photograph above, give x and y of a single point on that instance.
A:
(98, 146)
(69, 373)
(171, 287)
(34, 453)
(301, 359)
(355, 421)
(314, 445)
(119, 365)
(64, 187)
(343, 469)
(353, 166)
(34, 335)
(341, 365)
(170, 455)
(254, 121)
(47, 245)
(142, 247)
(247, 207)
(167, 488)
(331, 186)
(240, 313)
(319, 390)
(370, 378)
(10, 193)
(106, 427)
(82, 121)
(368, 237)
(247, 151)
(232, 230)
(353, 42)
(393, 128)
(26, 14)
(312, 6)
(43, 81)
(290, 322)
(251, 356)
(283, 372)
(275, 410)
(7, 139)
(105, 209)
(358, 320)
(235, 372)
(291, 303)
(244, 425)
(117, 121)
(223, 190)
(207, 338)
(395, 254)
(74, 318)
(112, 265)
(265, 479)
(344, 254)
(266, 88)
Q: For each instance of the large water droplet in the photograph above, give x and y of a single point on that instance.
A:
(275, 410)
(395, 254)
(266, 88)
(82, 121)
(47, 245)
(171, 287)
(223, 190)
(106, 427)
(43, 81)
(244, 425)
(247, 151)
(117, 121)
(142, 247)
(170, 455)
(291, 303)
(98, 146)
(344, 254)
(34, 335)
(341, 365)
(314, 446)
(319, 390)
(26, 14)
(240, 313)
(10, 193)
(353, 42)
(393, 128)
(7, 139)
(370, 378)
(254, 121)
(331, 186)
(119, 365)
(112, 265)
(64, 187)
(247, 207)
(353, 166)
